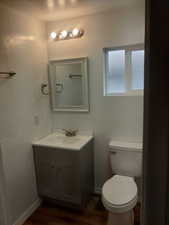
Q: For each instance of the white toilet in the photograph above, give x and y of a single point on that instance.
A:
(119, 193)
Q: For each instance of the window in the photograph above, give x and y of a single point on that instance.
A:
(124, 71)
(137, 64)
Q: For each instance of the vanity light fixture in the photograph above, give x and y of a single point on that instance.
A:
(66, 35)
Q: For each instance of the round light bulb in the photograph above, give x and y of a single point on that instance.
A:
(53, 35)
(70, 35)
(63, 34)
(75, 32)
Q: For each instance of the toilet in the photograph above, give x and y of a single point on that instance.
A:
(120, 192)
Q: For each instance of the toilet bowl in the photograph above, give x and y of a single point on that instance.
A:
(119, 193)
(119, 196)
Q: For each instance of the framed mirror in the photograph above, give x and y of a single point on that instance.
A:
(68, 80)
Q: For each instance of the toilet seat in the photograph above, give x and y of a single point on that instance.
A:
(119, 194)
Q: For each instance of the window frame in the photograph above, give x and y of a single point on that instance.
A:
(127, 74)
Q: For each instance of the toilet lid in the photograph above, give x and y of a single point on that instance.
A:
(119, 190)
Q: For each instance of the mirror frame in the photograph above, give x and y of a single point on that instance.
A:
(71, 108)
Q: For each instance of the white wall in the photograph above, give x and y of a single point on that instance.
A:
(22, 49)
(3, 216)
(118, 117)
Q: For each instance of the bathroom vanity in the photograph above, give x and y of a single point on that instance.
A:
(64, 169)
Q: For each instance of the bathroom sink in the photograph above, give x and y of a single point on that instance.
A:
(58, 140)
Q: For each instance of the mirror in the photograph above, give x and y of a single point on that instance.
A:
(69, 84)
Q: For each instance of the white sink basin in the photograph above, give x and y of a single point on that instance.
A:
(58, 140)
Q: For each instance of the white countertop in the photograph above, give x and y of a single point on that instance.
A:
(58, 140)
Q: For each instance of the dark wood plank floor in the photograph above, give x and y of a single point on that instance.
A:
(94, 214)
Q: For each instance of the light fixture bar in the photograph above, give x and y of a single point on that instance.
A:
(66, 35)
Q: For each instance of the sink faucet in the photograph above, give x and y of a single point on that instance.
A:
(70, 132)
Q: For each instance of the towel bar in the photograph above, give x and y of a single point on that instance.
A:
(10, 74)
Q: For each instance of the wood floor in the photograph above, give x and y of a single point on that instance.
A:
(94, 214)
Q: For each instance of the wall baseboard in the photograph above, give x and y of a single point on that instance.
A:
(28, 212)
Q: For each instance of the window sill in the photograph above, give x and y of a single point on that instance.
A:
(127, 93)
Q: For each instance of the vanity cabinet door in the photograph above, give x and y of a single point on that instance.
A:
(58, 174)
(46, 175)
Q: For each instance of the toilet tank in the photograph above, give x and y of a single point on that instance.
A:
(126, 158)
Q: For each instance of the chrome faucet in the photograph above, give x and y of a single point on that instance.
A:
(70, 132)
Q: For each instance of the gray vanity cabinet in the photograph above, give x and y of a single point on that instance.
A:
(65, 176)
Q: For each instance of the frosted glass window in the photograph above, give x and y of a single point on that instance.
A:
(137, 69)
(124, 70)
(115, 73)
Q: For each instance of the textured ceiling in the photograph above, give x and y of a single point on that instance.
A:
(49, 10)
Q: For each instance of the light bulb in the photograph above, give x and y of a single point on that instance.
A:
(75, 32)
(70, 34)
(53, 35)
(63, 34)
